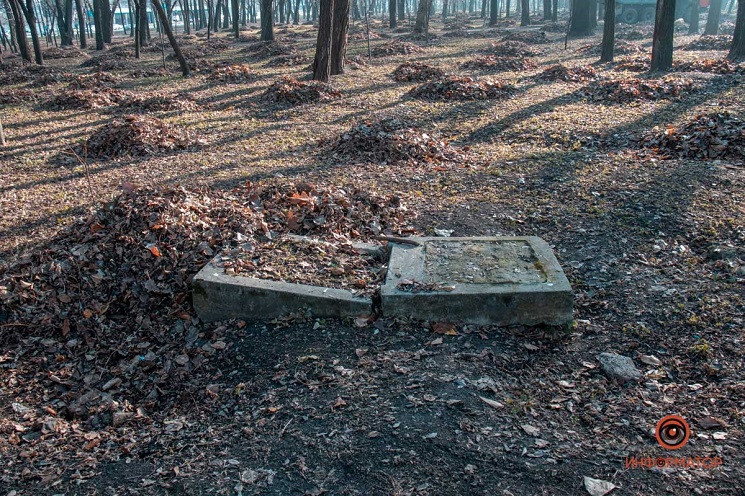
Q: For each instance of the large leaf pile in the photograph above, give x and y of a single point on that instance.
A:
(110, 295)
(395, 48)
(706, 136)
(393, 140)
(135, 136)
(512, 48)
(292, 91)
(462, 88)
(156, 101)
(630, 90)
(530, 37)
(496, 63)
(416, 71)
(710, 42)
(576, 74)
(86, 99)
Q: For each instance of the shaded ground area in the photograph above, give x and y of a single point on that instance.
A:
(652, 247)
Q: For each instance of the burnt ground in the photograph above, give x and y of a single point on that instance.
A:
(652, 245)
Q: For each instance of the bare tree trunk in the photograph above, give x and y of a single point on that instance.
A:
(19, 30)
(98, 23)
(236, 18)
(554, 11)
(322, 62)
(493, 13)
(609, 31)
(64, 21)
(30, 15)
(525, 17)
(2, 134)
(662, 40)
(267, 22)
(392, 19)
(81, 23)
(422, 16)
(712, 22)
(579, 23)
(339, 35)
(693, 21)
(737, 52)
(172, 39)
(546, 10)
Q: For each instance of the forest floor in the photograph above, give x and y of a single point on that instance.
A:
(653, 245)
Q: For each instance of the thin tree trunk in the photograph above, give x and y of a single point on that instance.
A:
(493, 13)
(267, 22)
(172, 39)
(322, 62)
(30, 15)
(392, 19)
(662, 40)
(236, 18)
(97, 16)
(554, 11)
(693, 26)
(609, 31)
(737, 52)
(525, 17)
(19, 30)
(339, 35)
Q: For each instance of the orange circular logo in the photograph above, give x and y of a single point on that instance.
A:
(672, 432)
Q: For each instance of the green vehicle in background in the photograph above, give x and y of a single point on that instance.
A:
(633, 11)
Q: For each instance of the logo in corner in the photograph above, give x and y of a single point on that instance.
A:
(672, 432)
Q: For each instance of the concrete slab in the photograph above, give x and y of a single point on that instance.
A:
(480, 280)
(219, 296)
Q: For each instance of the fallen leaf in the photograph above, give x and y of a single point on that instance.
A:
(598, 487)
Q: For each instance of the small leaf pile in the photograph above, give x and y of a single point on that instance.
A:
(292, 91)
(706, 136)
(156, 102)
(576, 74)
(86, 99)
(512, 48)
(631, 90)
(233, 74)
(120, 60)
(288, 60)
(462, 88)
(393, 141)
(716, 66)
(710, 42)
(93, 81)
(266, 49)
(17, 95)
(416, 71)
(199, 50)
(530, 37)
(395, 48)
(634, 64)
(135, 136)
(64, 53)
(554, 27)
(621, 47)
(495, 63)
(634, 32)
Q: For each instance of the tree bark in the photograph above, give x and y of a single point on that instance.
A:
(555, 11)
(609, 31)
(339, 36)
(30, 15)
(546, 10)
(662, 40)
(267, 22)
(236, 18)
(693, 26)
(493, 13)
(322, 62)
(97, 23)
(19, 29)
(712, 22)
(737, 52)
(422, 16)
(64, 21)
(392, 14)
(172, 39)
(81, 23)
(525, 16)
(579, 22)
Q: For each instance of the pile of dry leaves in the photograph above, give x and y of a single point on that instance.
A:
(266, 49)
(530, 37)
(710, 42)
(288, 60)
(135, 136)
(634, 89)
(634, 32)
(495, 63)
(576, 74)
(462, 88)
(639, 63)
(233, 74)
(394, 140)
(706, 136)
(331, 263)
(716, 66)
(17, 95)
(458, 33)
(512, 48)
(199, 50)
(121, 60)
(64, 53)
(292, 91)
(621, 47)
(416, 71)
(93, 81)
(554, 27)
(395, 48)
(156, 102)
(85, 99)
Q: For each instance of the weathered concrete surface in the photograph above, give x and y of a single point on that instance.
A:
(218, 296)
(485, 280)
